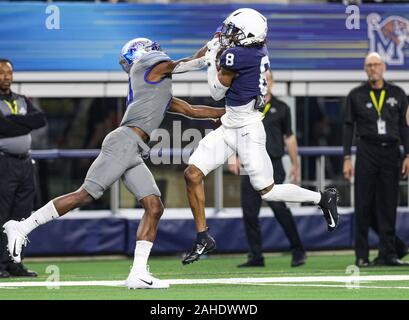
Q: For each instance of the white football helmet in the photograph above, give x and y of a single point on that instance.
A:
(243, 27)
(133, 51)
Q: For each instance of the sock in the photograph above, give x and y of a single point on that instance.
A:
(142, 252)
(41, 216)
(291, 193)
(202, 235)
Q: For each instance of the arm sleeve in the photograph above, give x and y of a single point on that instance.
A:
(348, 131)
(287, 130)
(192, 65)
(217, 89)
(403, 126)
(34, 118)
(10, 129)
(152, 58)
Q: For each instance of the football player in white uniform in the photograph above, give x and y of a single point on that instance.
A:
(242, 81)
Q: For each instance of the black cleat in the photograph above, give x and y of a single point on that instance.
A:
(328, 205)
(393, 261)
(19, 270)
(362, 263)
(402, 252)
(252, 263)
(298, 258)
(205, 246)
(4, 274)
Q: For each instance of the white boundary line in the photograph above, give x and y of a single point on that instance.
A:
(347, 286)
(350, 280)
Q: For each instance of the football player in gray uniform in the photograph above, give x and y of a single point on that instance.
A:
(149, 97)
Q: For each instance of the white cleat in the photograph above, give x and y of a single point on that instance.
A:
(16, 239)
(144, 280)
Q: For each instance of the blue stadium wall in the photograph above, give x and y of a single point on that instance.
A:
(301, 37)
(116, 235)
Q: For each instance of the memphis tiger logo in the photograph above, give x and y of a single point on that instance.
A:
(390, 37)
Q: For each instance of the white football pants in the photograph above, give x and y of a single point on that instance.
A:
(250, 144)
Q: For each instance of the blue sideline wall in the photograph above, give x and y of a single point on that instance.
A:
(116, 235)
(88, 37)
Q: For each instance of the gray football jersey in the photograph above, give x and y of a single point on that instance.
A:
(147, 101)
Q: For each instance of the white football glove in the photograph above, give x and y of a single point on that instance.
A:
(213, 45)
(210, 57)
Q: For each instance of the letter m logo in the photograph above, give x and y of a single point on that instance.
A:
(388, 38)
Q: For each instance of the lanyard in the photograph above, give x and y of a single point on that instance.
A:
(266, 108)
(13, 108)
(378, 105)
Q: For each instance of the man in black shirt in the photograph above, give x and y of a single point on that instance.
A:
(378, 111)
(277, 123)
(18, 117)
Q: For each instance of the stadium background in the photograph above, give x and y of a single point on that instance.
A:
(72, 73)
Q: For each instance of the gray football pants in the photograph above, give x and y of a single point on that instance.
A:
(120, 157)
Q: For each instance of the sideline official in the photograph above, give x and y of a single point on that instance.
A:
(378, 110)
(18, 117)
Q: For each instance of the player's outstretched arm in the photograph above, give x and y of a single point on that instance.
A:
(165, 68)
(195, 62)
(201, 112)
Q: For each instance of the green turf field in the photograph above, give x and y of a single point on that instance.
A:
(252, 283)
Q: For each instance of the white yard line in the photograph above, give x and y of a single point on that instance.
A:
(346, 285)
(350, 280)
(292, 279)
